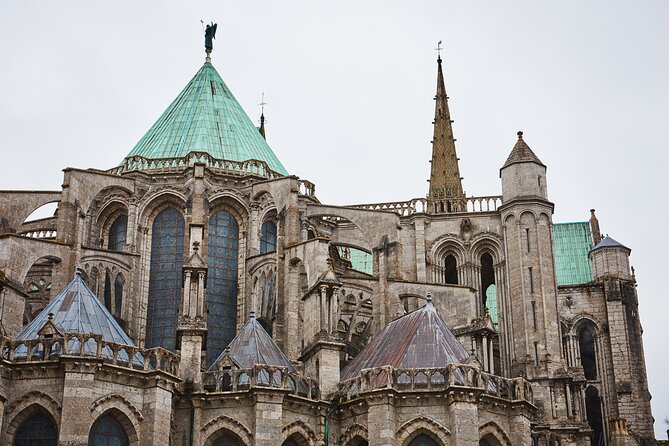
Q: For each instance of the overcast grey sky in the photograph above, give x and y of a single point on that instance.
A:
(349, 87)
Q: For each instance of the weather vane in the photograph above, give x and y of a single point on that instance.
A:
(262, 103)
(438, 49)
(209, 36)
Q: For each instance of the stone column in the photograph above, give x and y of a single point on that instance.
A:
(268, 418)
(463, 412)
(157, 411)
(381, 420)
(421, 268)
(75, 420)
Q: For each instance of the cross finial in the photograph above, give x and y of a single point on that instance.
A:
(262, 103)
(520, 134)
(438, 50)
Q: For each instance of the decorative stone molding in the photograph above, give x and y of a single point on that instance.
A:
(356, 430)
(210, 430)
(491, 428)
(116, 401)
(421, 424)
(301, 428)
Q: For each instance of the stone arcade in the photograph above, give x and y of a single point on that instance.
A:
(197, 294)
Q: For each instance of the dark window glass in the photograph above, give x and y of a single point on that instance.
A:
(221, 294)
(107, 293)
(37, 430)
(106, 431)
(118, 295)
(593, 410)
(423, 440)
(268, 237)
(167, 247)
(117, 233)
(451, 270)
(586, 341)
(227, 440)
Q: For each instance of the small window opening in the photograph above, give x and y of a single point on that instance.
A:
(534, 314)
(527, 235)
(213, 87)
(451, 270)
(531, 279)
(536, 353)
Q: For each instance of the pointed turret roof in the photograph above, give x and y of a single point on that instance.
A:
(77, 310)
(253, 345)
(206, 117)
(608, 242)
(521, 153)
(416, 340)
(445, 181)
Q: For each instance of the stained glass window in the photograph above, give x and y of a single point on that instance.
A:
(167, 248)
(491, 303)
(268, 237)
(117, 233)
(118, 295)
(37, 430)
(106, 431)
(221, 296)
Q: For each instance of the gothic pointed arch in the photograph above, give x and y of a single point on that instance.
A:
(299, 433)
(354, 435)
(111, 429)
(422, 425)
(448, 255)
(34, 403)
(38, 429)
(491, 433)
(223, 427)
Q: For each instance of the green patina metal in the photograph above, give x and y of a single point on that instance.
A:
(571, 244)
(360, 260)
(207, 118)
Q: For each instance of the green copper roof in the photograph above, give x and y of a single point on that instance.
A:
(571, 245)
(206, 117)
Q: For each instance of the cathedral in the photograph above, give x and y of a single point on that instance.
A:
(197, 293)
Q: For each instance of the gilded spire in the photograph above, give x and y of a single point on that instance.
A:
(445, 180)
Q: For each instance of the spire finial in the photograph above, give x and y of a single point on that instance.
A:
(520, 134)
(209, 36)
(252, 314)
(438, 50)
(429, 297)
(262, 104)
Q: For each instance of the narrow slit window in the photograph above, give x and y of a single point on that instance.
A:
(536, 353)
(534, 314)
(531, 279)
(527, 238)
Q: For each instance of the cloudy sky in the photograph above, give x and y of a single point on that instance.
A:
(349, 88)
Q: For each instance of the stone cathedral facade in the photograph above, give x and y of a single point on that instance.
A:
(199, 294)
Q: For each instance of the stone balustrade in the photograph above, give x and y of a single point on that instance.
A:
(174, 165)
(46, 233)
(445, 206)
(307, 189)
(260, 376)
(439, 379)
(89, 346)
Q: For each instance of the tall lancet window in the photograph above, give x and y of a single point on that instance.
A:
(167, 257)
(268, 237)
(221, 297)
(117, 233)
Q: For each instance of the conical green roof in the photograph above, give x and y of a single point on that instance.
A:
(206, 117)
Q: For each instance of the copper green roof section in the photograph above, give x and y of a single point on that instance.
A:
(571, 245)
(206, 118)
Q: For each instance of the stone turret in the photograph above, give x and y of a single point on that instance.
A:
(523, 174)
(610, 259)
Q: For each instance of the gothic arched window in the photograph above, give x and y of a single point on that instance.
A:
(593, 410)
(118, 295)
(106, 431)
(117, 233)
(451, 270)
(423, 440)
(167, 257)
(108, 293)
(586, 343)
(227, 439)
(221, 294)
(37, 430)
(268, 237)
